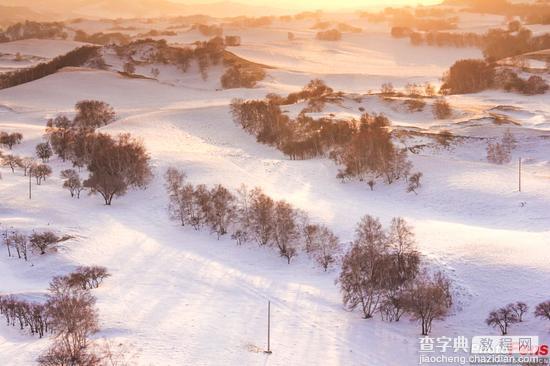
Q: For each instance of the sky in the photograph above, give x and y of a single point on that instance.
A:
(323, 4)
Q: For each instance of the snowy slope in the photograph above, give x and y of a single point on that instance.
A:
(178, 296)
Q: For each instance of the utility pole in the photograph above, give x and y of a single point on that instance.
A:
(30, 183)
(268, 328)
(519, 174)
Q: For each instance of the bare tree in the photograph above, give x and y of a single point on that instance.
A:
(370, 233)
(286, 233)
(72, 182)
(261, 216)
(520, 308)
(20, 242)
(509, 141)
(428, 298)
(86, 278)
(43, 240)
(442, 109)
(414, 182)
(41, 172)
(444, 138)
(371, 183)
(503, 318)
(322, 245)
(44, 151)
(11, 161)
(73, 320)
(222, 209)
(91, 114)
(117, 165)
(361, 279)
(60, 132)
(543, 310)
(10, 139)
(27, 163)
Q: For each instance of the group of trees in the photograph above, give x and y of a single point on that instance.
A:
(536, 12)
(511, 81)
(251, 22)
(468, 76)
(30, 29)
(364, 148)
(472, 76)
(513, 313)
(204, 53)
(239, 76)
(68, 313)
(371, 154)
(76, 57)
(501, 152)
(102, 38)
(212, 30)
(25, 314)
(447, 39)
(20, 245)
(329, 35)
(381, 273)
(29, 165)
(114, 164)
(250, 216)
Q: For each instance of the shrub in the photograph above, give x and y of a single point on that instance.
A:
(329, 35)
(444, 138)
(129, 68)
(415, 105)
(441, 109)
(400, 32)
(414, 183)
(43, 241)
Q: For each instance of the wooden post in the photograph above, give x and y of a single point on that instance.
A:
(268, 328)
(519, 174)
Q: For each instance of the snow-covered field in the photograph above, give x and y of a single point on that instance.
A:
(28, 52)
(181, 297)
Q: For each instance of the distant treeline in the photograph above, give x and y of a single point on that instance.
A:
(27, 29)
(531, 13)
(76, 57)
(496, 43)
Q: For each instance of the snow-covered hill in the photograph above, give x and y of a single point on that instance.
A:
(180, 297)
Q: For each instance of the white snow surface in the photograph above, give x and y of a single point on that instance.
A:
(181, 297)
